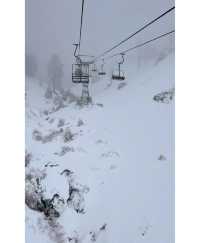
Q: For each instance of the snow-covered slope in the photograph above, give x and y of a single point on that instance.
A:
(119, 158)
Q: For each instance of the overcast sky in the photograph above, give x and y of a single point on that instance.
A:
(52, 26)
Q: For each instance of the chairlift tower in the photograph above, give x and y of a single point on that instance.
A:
(80, 75)
(85, 97)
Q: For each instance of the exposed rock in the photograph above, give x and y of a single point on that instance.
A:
(110, 154)
(144, 230)
(65, 150)
(162, 158)
(80, 123)
(51, 120)
(103, 227)
(49, 164)
(95, 234)
(46, 112)
(100, 141)
(121, 85)
(28, 158)
(68, 136)
(68, 96)
(33, 189)
(34, 196)
(52, 207)
(61, 123)
(52, 135)
(76, 192)
(76, 200)
(37, 135)
(66, 172)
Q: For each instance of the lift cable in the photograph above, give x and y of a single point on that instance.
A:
(142, 44)
(135, 33)
(80, 34)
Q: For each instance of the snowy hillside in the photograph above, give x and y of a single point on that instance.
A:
(103, 173)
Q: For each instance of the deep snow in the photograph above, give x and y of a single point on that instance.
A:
(116, 153)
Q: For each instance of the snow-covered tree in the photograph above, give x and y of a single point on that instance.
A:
(55, 72)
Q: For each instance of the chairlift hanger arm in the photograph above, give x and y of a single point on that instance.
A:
(76, 47)
(122, 61)
(102, 64)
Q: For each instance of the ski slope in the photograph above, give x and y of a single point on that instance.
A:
(115, 154)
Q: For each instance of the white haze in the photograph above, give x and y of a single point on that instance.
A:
(53, 26)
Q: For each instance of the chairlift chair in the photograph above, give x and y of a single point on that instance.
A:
(80, 73)
(118, 74)
(80, 70)
(102, 72)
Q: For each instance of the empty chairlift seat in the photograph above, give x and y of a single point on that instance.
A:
(116, 75)
(102, 72)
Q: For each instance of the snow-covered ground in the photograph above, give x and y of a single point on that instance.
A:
(119, 160)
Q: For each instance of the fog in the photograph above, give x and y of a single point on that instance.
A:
(52, 26)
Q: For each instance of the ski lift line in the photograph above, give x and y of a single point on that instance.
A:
(135, 33)
(142, 44)
(80, 35)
